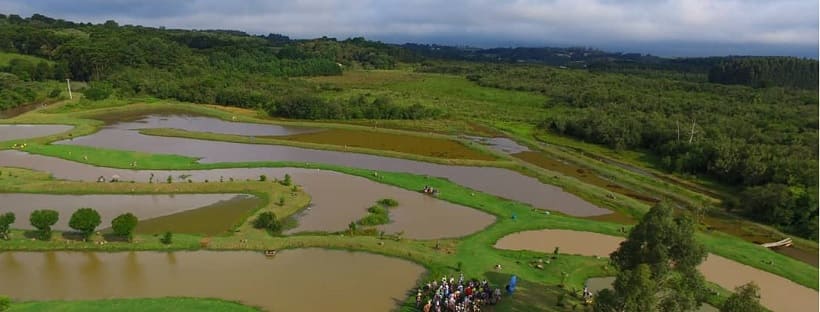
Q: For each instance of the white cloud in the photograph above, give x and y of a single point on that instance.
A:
(575, 22)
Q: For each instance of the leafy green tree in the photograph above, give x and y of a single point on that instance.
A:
(267, 221)
(287, 181)
(745, 299)
(5, 303)
(124, 225)
(42, 220)
(6, 220)
(85, 221)
(657, 266)
(167, 238)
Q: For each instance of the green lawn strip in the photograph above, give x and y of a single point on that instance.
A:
(170, 304)
(742, 251)
(6, 57)
(178, 133)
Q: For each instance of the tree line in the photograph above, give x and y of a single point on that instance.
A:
(761, 72)
(221, 67)
(302, 106)
(762, 141)
(84, 220)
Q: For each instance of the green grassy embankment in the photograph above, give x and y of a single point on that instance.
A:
(740, 250)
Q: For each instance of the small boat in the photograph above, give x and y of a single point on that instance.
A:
(786, 242)
(270, 253)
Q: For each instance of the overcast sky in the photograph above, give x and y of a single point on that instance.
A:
(661, 27)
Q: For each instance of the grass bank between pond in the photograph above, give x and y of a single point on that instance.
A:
(169, 304)
(15, 180)
(723, 245)
(178, 133)
(591, 193)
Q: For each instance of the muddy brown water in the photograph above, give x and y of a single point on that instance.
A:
(500, 182)
(597, 284)
(336, 198)
(293, 280)
(145, 207)
(777, 293)
(192, 122)
(411, 144)
(17, 132)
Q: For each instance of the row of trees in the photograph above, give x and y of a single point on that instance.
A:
(761, 72)
(84, 220)
(301, 106)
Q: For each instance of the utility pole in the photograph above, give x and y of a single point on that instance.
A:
(68, 83)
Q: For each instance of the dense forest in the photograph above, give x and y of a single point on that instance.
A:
(358, 107)
(764, 140)
(749, 122)
(223, 67)
(763, 72)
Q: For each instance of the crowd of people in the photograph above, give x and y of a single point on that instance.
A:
(456, 295)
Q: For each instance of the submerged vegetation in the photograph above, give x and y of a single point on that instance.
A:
(378, 214)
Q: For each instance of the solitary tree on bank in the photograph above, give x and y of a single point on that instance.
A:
(85, 221)
(657, 267)
(42, 220)
(124, 225)
(6, 220)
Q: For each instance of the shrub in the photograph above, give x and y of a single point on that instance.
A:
(376, 215)
(54, 93)
(42, 220)
(281, 201)
(5, 303)
(6, 220)
(167, 238)
(85, 220)
(267, 221)
(124, 225)
(262, 178)
(98, 91)
(388, 202)
(287, 181)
